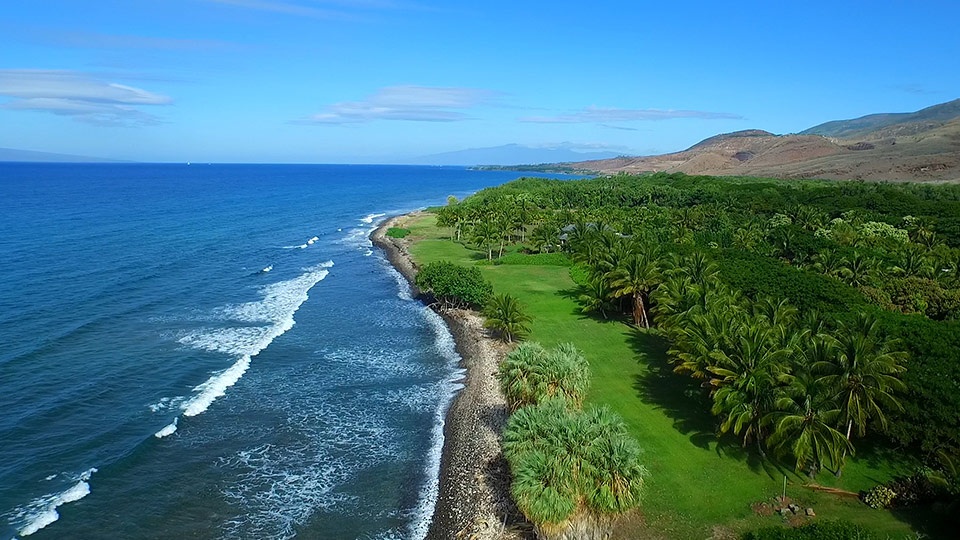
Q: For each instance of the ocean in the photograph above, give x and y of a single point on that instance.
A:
(217, 351)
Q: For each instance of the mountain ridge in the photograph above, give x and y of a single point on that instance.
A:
(919, 146)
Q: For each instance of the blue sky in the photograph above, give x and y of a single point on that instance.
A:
(353, 81)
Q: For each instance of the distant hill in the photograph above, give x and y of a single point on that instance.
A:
(878, 126)
(10, 154)
(508, 154)
(919, 146)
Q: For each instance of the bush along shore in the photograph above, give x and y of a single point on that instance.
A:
(474, 489)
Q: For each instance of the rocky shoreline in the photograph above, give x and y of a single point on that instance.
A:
(474, 488)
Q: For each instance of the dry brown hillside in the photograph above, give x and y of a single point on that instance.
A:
(914, 151)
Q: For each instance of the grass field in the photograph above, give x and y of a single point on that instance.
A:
(697, 487)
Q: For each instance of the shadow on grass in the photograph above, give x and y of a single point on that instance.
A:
(684, 401)
(679, 397)
(573, 294)
(937, 520)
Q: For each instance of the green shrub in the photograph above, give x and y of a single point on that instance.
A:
(397, 232)
(453, 285)
(580, 274)
(824, 530)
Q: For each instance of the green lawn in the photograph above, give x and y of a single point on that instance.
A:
(696, 484)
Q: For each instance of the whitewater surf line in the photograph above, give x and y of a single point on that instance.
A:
(41, 512)
(279, 302)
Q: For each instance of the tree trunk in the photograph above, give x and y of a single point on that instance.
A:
(639, 311)
(580, 526)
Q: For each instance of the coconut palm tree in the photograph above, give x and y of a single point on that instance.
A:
(544, 236)
(746, 378)
(864, 372)
(505, 314)
(485, 236)
(637, 276)
(596, 297)
(861, 270)
(803, 426)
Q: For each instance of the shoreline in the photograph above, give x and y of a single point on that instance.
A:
(473, 500)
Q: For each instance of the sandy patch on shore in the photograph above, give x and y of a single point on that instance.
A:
(474, 491)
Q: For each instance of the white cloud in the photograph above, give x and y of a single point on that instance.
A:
(79, 95)
(413, 103)
(287, 8)
(602, 115)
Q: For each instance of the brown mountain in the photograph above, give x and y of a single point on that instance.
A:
(920, 146)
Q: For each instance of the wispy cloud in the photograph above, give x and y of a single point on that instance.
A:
(604, 115)
(412, 103)
(96, 40)
(286, 8)
(913, 88)
(81, 96)
(320, 9)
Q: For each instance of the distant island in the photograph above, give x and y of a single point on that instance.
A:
(31, 156)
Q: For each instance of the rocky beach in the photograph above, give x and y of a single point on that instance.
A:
(474, 488)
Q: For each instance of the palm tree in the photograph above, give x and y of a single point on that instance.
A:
(746, 378)
(803, 426)
(864, 372)
(506, 315)
(914, 262)
(573, 471)
(485, 235)
(830, 263)
(596, 297)
(861, 270)
(637, 276)
(544, 236)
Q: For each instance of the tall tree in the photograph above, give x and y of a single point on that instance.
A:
(864, 372)
(804, 426)
(636, 277)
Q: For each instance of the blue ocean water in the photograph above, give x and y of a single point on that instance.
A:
(216, 351)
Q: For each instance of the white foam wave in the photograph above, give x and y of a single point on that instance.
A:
(312, 240)
(274, 316)
(368, 253)
(403, 286)
(41, 512)
(169, 429)
(368, 219)
(267, 269)
(165, 403)
(216, 386)
(430, 491)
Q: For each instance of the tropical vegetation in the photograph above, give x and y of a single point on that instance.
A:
(815, 321)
